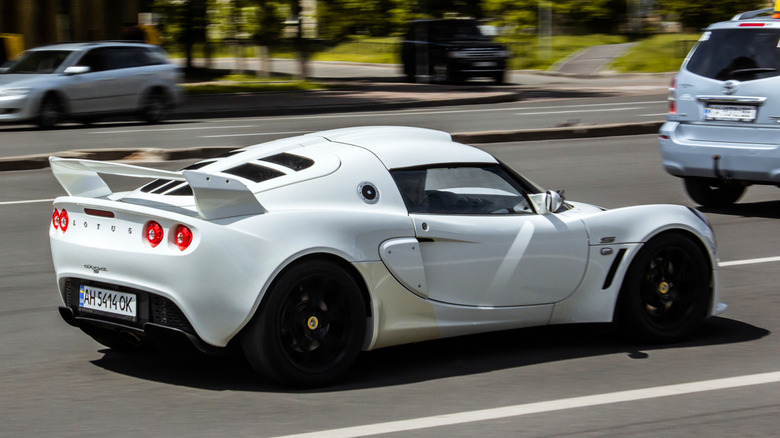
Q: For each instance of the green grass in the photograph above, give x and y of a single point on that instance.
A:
(363, 49)
(527, 54)
(658, 53)
(248, 84)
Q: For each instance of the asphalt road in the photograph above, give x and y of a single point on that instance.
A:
(55, 381)
(527, 114)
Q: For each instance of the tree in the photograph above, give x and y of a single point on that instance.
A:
(700, 13)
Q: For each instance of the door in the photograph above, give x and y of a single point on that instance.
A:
(482, 244)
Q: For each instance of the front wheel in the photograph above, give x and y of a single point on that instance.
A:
(713, 192)
(311, 327)
(49, 113)
(666, 290)
(155, 107)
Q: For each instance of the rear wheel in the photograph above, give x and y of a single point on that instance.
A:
(666, 290)
(712, 192)
(311, 328)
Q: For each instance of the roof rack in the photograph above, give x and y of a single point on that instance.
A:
(752, 14)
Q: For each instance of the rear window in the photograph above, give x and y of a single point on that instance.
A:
(741, 54)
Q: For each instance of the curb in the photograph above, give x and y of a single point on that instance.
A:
(41, 161)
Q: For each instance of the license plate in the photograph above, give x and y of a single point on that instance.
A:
(484, 64)
(118, 304)
(733, 113)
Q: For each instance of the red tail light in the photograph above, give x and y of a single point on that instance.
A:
(183, 237)
(154, 233)
(672, 98)
(55, 219)
(63, 220)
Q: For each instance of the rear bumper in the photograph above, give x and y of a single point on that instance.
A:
(747, 154)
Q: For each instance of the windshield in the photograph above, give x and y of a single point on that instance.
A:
(456, 30)
(740, 54)
(39, 62)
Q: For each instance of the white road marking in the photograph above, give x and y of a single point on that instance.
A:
(30, 201)
(253, 134)
(191, 128)
(416, 112)
(542, 407)
(749, 261)
(536, 113)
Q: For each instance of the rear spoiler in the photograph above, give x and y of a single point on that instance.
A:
(216, 196)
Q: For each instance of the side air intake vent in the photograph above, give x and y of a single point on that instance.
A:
(294, 162)
(254, 172)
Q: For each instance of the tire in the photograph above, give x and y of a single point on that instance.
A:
(310, 329)
(49, 113)
(712, 192)
(155, 107)
(498, 78)
(666, 290)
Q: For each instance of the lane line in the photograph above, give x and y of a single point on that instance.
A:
(192, 128)
(536, 113)
(543, 407)
(749, 261)
(413, 112)
(30, 201)
(254, 134)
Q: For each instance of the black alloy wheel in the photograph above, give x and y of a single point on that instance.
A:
(666, 290)
(311, 328)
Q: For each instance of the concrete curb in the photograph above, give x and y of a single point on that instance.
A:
(41, 161)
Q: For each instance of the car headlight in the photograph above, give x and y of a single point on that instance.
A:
(15, 91)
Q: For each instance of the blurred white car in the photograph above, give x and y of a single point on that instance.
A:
(307, 250)
(85, 81)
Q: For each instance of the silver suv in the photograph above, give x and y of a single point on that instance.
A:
(722, 132)
(84, 81)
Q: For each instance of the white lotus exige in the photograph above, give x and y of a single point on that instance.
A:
(307, 250)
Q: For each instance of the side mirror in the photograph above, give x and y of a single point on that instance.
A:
(76, 70)
(553, 201)
(547, 202)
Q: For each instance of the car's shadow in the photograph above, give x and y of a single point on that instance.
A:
(425, 361)
(766, 210)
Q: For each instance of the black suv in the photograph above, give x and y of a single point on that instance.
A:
(451, 50)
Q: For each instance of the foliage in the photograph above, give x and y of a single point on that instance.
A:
(700, 13)
(245, 84)
(659, 53)
(593, 14)
(339, 18)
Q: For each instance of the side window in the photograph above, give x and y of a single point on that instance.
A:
(95, 60)
(461, 190)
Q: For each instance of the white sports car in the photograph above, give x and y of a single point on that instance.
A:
(307, 250)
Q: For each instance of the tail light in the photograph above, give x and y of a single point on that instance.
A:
(60, 220)
(183, 237)
(672, 96)
(154, 233)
